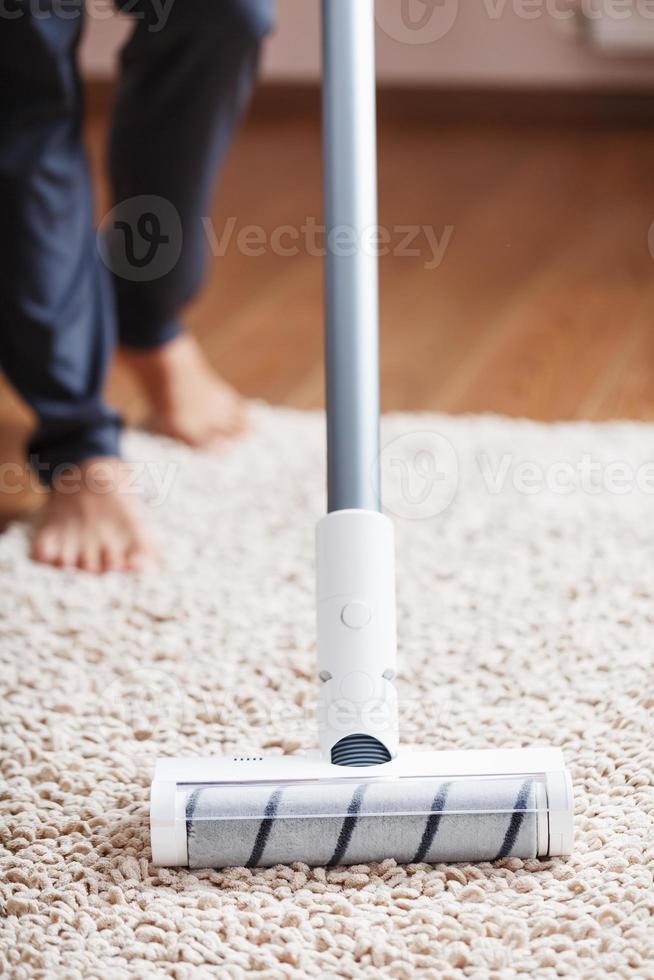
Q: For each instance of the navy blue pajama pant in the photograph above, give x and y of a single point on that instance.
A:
(185, 79)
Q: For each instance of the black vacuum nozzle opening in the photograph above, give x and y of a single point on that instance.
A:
(360, 750)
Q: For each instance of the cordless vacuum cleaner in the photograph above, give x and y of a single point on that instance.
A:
(358, 798)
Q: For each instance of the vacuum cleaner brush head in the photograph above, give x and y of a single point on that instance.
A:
(422, 806)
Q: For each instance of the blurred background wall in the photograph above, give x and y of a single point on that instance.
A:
(544, 43)
(517, 146)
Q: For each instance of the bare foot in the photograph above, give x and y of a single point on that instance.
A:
(89, 521)
(189, 400)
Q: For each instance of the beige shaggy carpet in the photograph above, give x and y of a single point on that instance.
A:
(526, 613)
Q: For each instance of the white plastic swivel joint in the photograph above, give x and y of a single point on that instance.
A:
(356, 631)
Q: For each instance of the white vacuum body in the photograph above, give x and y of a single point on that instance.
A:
(360, 798)
(355, 570)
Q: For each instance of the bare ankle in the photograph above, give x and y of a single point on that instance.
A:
(189, 401)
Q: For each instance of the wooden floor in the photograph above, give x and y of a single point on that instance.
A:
(542, 306)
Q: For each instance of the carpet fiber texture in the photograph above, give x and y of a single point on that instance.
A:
(526, 616)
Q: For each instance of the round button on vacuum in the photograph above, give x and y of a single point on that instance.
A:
(356, 615)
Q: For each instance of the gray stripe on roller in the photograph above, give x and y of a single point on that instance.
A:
(433, 823)
(516, 820)
(265, 827)
(347, 829)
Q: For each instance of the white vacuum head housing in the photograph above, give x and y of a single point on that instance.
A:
(422, 806)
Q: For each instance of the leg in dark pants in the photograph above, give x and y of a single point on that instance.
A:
(57, 321)
(183, 90)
